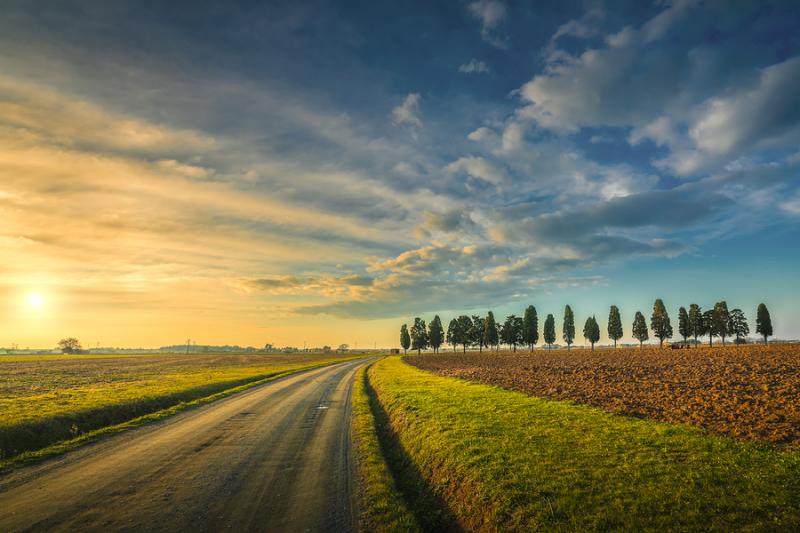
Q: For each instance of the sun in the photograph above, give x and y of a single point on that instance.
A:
(35, 300)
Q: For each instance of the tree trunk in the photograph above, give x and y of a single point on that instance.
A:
(710, 340)
(592, 346)
(661, 342)
(615, 344)
(640, 344)
(765, 340)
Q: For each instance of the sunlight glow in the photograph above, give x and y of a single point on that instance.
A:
(35, 300)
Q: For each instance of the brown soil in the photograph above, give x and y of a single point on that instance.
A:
(747, 392)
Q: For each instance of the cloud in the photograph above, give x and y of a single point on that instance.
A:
(478, 167)
(351, 285)
(474, 67)
(448, 221)
(769, 111)
(490, 13)
(69, 121)
(407, 113)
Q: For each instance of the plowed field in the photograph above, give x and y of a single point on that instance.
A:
(746, 392)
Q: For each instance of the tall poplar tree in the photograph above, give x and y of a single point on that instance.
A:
(419, 335)
(591, 330)
(490, 335)
(659, 322)
(530, 327)
(464, 327)
(683, 324)
(719, 320)
(549, 330)
(640, 329)
(763, 322)
(737, 325)
(436, 333)
(405, 338)
(708, 326)
(614, 325)
(476, 331)
(452, 334)
(569, 326)
(695, 322)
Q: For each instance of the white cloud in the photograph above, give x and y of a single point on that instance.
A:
(481, 134)
(478, 167)
(407, 113)
(792, 205)
(766, 112)
(474, 67)
(491, 13)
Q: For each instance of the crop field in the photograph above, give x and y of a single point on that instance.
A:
(44, 400)
(476, 457)
(746, 392)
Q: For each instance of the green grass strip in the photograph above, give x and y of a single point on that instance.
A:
(381, 506)
(64, 446)
(500, 461)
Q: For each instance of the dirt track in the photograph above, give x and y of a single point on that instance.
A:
(274, 458)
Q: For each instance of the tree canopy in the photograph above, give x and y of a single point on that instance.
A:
(419, 335)
(614, 325)
(659, 322)
(549, 332)
(591, 330)
(763, 322)
(640, 328)
(569, 326)
(405, 338)
(436, 333)
(490, 333)
(530, 327)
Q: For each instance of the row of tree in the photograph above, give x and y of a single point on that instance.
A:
(483, 332)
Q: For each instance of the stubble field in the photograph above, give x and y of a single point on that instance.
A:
(49, 399)
(746, 392)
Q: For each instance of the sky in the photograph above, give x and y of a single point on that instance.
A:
(322, 172)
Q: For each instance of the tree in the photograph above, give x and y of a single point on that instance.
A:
(530, 327)
(591, 330)
(737, 325)
(490, 334)
(640, 329)
(464, 327)
(569, 326)
(659, 322)
(405, 338)
(70, 345)
(419, 335)
(763, 322)
(719, 320)
(476, 332)
(550, 330)
(435, 333)
(511, 331)
(614, 325)
(695, 322)
(452, 333)
(707, 326)
(683, 324)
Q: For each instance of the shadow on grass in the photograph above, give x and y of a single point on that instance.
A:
(430, 511)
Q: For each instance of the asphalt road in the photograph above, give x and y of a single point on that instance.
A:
(274, 458)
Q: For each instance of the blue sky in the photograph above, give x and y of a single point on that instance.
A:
(277, 172)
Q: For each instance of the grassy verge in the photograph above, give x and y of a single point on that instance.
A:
(500, 460)
(381, 506)
(24, 438)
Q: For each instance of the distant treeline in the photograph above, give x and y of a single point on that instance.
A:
(480, 332)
